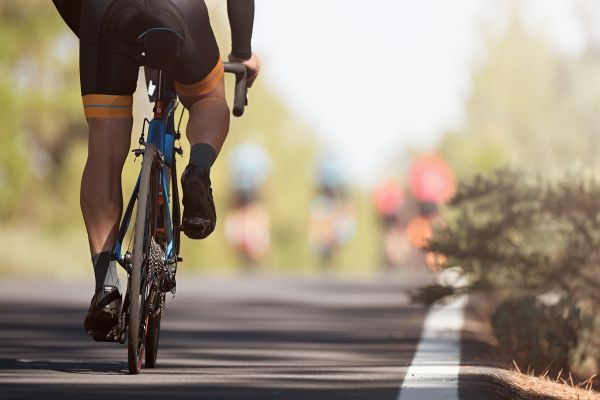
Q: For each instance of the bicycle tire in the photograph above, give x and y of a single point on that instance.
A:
(137, 320)
(153, 337)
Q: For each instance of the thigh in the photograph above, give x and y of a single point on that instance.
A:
(200, 53)
(199, 69)
(107, 64)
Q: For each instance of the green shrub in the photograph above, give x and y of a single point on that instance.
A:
(537, 335)
(525, 236)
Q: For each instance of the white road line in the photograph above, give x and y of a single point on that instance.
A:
(433, 374)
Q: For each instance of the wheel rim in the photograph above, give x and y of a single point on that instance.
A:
(140, 285)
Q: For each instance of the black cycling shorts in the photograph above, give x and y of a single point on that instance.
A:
(109, 49)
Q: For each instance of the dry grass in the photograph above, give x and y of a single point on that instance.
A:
(520, 385)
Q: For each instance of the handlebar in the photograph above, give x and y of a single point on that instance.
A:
(240, 99)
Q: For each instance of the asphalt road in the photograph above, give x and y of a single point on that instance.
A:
(251, 338)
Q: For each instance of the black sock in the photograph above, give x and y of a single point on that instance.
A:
(105, 270)
(203, 154)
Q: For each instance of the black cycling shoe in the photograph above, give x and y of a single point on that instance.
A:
(199, 215)
(102, 319)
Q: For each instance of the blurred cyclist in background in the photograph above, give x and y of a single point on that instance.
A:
(247, 224)
(432, 184)
(332, 219)
(388, 199)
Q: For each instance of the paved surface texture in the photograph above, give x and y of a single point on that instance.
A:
(236, 338)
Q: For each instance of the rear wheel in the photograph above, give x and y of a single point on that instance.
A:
(140, 285)
(154, 333)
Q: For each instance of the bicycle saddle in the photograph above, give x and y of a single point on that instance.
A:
(160, 47)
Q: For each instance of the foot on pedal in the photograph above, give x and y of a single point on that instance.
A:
(199, 214)
(102, 319)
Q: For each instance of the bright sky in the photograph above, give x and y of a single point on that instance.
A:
(374, 77)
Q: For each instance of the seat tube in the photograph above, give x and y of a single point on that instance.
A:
(159, 103)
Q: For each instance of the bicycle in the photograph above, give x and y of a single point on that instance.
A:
(152, 252)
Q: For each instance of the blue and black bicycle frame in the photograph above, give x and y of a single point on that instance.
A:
(162, 133)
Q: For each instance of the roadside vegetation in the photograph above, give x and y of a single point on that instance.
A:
(535, 243)
(525, 222)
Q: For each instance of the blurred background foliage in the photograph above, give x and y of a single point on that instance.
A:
(528, 105)
(43, 147)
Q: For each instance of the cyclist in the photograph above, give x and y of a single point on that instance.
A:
(331, 222)
(109, 63)
(247, 224)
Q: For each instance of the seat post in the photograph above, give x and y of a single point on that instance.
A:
(160, 46)
(159, 103)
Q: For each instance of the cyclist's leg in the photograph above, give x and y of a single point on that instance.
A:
(108, 80)
(101, 197)
(199, 83)
(199, 77)
(101, 205)
(209, 112)
(207, 129)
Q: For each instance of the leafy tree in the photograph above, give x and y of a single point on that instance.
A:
(37, 86)
(528, 105)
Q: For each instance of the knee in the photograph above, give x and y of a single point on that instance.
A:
(217, 108)
(208, 110)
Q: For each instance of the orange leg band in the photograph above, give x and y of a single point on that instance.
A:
(205, 85)
(107, 106)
